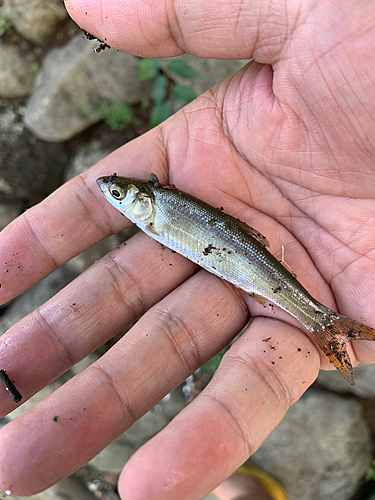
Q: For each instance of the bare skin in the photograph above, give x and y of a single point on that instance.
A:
(285, 144)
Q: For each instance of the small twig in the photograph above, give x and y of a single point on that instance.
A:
(285, 264)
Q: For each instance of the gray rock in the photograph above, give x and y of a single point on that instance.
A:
(73, 83)
(320, 450)
(86, 157)
(9, 213)
(16, 79)
(102, 485)
(103, 142)
(71, 488)
(28, 181)
(364, 376)
(35, 20)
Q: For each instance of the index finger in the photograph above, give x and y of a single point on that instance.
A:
(69, 221)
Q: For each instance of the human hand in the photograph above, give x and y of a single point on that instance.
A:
(285, 144)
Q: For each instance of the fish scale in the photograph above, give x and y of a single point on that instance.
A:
(234, 251)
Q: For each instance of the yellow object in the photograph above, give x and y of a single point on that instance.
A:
(272, 487)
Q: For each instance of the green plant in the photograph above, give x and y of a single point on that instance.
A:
(167, 96)
(5, 25)
(370, 472)
(35, 69)
(116, 114)
(213, 364)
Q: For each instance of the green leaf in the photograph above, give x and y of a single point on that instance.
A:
(370, 472)
(159, 89)
(117, 114)
(148, 68)
(159, 113)
(145, 102)
(5, 24)
(182, 69)
(212, 365)
(184, 94)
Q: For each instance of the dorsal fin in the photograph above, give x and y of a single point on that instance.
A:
(154, 180)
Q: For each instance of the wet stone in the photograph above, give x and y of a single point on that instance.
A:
(72, 85)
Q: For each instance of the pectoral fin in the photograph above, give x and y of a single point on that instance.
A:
(150, 228)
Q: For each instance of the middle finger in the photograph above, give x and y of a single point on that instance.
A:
(169, 342)
(112, 293)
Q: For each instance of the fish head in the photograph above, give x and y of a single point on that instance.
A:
(132, 197)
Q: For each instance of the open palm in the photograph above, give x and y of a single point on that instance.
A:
(285, 144)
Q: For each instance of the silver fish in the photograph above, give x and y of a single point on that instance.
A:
(234, 251)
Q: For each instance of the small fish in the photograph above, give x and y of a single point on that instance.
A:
(234, 251)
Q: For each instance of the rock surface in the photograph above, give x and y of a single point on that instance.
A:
(364, 376)
(73, 83)
(35, 20)
(16, 79)
(30, 169)
(85, 158)
(320, 450)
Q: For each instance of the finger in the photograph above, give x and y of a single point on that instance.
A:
(248, 396)
(167, 344)
(69, 221)
(218, 29)
(107, 297)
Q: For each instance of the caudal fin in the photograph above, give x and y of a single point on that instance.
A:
(332, 341)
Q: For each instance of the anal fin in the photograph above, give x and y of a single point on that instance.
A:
(150, 228)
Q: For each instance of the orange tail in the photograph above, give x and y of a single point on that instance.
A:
(332, 341)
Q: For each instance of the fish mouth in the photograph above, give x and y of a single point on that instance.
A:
(103, 184)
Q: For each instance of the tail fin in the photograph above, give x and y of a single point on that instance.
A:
(332, 341)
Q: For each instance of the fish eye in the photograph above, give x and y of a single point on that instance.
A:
(117, 192)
